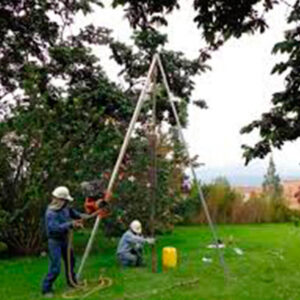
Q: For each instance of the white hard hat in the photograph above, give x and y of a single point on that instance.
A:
(62, 192)
(136, 226)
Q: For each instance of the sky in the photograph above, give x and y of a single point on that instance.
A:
(237, 90)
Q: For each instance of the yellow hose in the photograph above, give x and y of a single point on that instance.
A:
(86, 290)
(103, 283)
(82, 291)
(69, 271)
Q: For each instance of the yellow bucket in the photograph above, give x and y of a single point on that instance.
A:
(169, 257)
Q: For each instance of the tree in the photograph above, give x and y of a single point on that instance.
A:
(134, 196)
(282, 123)
(273, 195)
(66, 112)
(29, 29)
(221, 200)
(219, 20)
(180, 72)
(69, 118)
(271, 184)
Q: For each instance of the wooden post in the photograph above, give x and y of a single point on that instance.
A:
(153, 173)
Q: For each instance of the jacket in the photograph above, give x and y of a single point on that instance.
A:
(59, 222)
(130, 242)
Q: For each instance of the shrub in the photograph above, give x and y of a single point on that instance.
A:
(226, 205)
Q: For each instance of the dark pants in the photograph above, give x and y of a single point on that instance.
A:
(131, 259)
(58, 250)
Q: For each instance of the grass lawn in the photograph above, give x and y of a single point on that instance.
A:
(268, 270)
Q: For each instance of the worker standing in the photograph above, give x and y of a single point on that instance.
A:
(130, 248)
(60, 219)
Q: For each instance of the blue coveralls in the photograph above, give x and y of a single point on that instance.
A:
(58, 227)
(130, 249)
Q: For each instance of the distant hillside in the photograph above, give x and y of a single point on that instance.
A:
(242, 176)
(290, 187)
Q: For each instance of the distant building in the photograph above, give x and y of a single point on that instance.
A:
(248, 191)
(290, 187)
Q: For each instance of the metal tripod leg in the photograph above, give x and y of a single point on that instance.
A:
(119, 160)
(200, 193)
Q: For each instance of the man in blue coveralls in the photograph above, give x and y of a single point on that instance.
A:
(130, 248)
(60, 219)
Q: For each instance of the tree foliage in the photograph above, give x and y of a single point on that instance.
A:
(66, 112)
(271, 184)
(228, 205)
(63, 119)
(218, 20)
(134, 62)
(29, 30)
(69, 118)
(282, 123)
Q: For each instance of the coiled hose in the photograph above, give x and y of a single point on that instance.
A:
(82, 290)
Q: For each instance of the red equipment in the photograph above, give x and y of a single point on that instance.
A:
(92, 205)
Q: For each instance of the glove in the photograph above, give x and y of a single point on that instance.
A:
(150, 241)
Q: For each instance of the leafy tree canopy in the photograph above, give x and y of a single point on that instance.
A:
(282, 123)
(218, 20)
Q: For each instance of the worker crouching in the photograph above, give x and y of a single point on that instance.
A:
(130, 248)
(59, 221)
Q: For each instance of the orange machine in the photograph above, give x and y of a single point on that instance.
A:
(92, 205)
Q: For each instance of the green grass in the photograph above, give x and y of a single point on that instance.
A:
(268, 270)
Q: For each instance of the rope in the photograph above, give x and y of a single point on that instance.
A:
(87, 290)
(69, 249)
(160, 291)
(82, 290)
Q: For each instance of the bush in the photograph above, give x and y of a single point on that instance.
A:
(254, 210)
(226, 205)
(3, 248)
